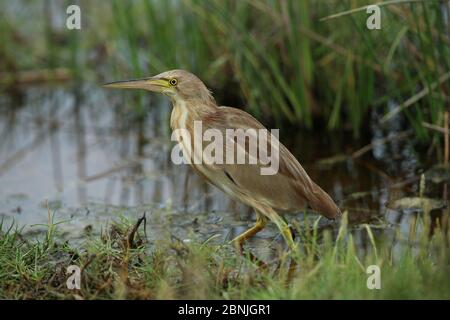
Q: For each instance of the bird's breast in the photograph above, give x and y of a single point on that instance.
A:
(181, 122)
(180, 116)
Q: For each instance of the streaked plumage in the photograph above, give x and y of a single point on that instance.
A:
(290, 189)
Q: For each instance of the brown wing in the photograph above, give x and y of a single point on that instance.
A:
(289, 189)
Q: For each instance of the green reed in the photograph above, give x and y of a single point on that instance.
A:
(309, 63)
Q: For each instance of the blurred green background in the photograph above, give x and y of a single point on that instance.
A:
(278, 59)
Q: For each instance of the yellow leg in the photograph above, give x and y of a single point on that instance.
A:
(287, 235)
(282, 226)
(261, 222)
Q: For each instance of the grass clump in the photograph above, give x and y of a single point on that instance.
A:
(116, 265)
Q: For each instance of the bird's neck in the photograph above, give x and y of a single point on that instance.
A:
(185, 112)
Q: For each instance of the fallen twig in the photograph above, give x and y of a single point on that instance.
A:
(37, 76)
(130, 239)
(370, 146)
(416, 97)
(436, 128)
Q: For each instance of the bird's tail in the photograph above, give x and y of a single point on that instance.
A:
(321, 202)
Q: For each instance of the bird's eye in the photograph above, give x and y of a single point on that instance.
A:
(173, 82)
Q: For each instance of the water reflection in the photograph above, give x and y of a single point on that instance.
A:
(90, 155)
(77, 147)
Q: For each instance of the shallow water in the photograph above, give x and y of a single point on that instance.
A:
(88, 156)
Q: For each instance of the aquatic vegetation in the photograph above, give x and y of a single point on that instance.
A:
(370, 103)
(296, 61)
(121, 263)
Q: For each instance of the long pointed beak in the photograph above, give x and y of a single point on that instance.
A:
(151, 84)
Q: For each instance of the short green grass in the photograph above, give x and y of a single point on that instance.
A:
(115, 267)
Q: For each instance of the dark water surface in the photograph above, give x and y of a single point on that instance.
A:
(89, 156)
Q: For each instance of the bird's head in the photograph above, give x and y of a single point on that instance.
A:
(177, 84)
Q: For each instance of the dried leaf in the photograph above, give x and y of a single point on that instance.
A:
(416, 203)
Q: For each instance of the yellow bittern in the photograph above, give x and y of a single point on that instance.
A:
(289, 189)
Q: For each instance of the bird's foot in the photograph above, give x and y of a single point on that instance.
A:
(240, 249)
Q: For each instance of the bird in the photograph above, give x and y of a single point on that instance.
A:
(290, 189)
